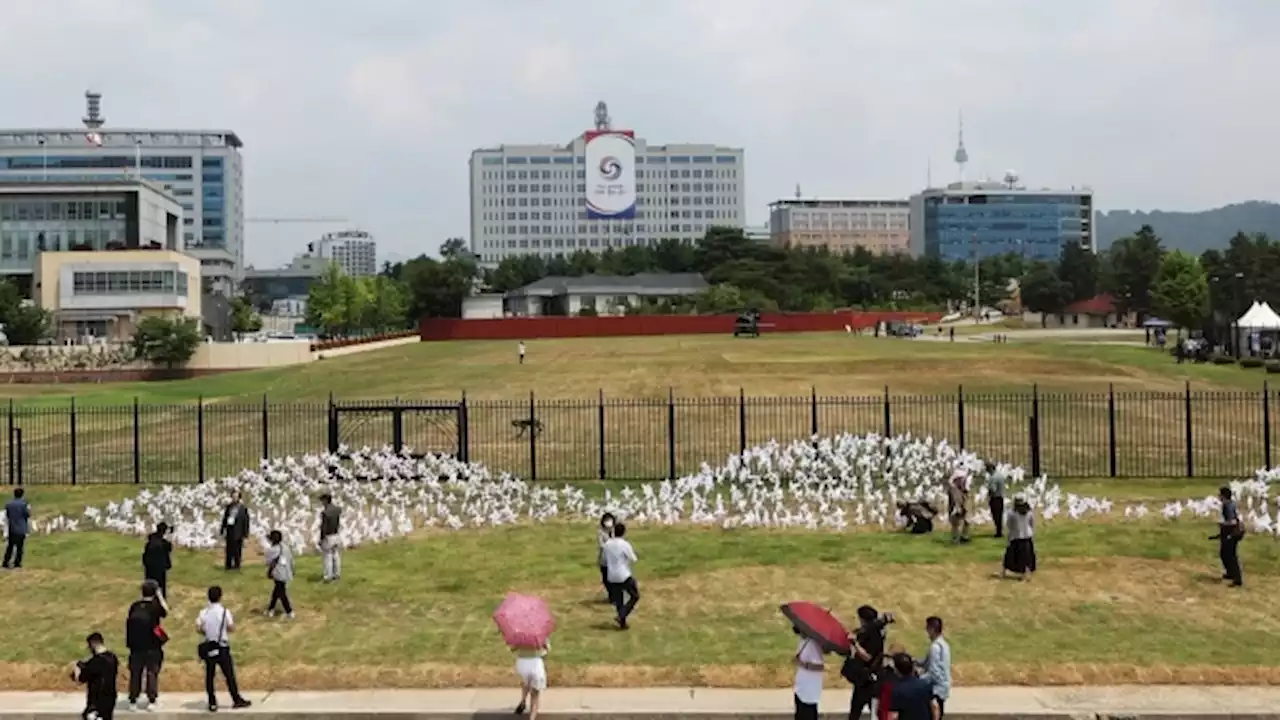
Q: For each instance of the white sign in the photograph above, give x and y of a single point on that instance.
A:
(611, 174)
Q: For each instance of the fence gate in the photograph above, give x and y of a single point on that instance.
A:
(438, 428)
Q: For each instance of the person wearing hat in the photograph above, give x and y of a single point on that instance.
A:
(864, 669)
(1020, 553)
(958, 506)
(157, 557)
(996, 482)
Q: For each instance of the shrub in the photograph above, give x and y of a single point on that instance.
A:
(1273, 366)
(1251, 362)
(1223, 360)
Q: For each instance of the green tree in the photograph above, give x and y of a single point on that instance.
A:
(243, 317)
(387, 304)
(719, 300)
(454, 247)
(1180, 291)
(1043, 291)
(1078, 268)
(24, 323)
(1132, 265)
(166, 340)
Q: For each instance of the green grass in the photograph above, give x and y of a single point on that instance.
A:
(1113, 603)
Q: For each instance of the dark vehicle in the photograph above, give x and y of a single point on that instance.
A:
(748, 324)
(901, 329)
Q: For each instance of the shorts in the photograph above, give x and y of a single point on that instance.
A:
(532, 672)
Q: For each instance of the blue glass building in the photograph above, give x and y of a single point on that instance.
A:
(988, 219)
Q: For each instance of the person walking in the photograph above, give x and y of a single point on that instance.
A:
(603, 534)
(936, 667)
(619, 557)
(532, 669)
(145, 639)
(235, 527)
(1020, 554)
(17, 515)
(520, 350)
(280, 571)
(864, 668)
(98, 674)
(996, 482)
(330, 543)
(958, 507)
(157, 557)
(810, 674)
(215, 624)
(1230, 533)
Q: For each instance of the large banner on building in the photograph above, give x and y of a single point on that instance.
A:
(611, 174)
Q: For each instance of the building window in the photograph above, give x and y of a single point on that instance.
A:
(129, 282)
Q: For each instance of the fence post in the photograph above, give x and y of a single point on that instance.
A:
(671, 434)
(1266, 425)
(960, 412)
(888, 417)
(19, 433)
(1111, 429)
(333, 426)
(1035, 430)
(72, 430)
(1186, 402)
(11, 459)
(397, 428)
(742, 421)
(137, 443)
(464, 430)
(813, 410)
(600, 428)
(266, 433)
(200, 436)
(533, 438)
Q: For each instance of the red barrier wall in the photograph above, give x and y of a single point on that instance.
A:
(564, 327)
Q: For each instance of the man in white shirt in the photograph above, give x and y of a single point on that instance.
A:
(619, 556)
(520, 349)
(809, 677)
(215, 624)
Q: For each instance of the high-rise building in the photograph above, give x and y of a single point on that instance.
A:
(606, 188)
(202, 168)
(984, 219)
(355, 251)
(840, 225)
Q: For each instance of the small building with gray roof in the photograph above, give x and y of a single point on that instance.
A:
(605, 294)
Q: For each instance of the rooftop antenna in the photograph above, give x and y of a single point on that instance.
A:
(798, 196)
(603, 121)
(962, 155)
(93, 108)
(928, 173)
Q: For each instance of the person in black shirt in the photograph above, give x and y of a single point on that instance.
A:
(1230, 533)
(864, 668)
(145, 641)
(912, 697)
(235, 526)
(918, 515)
(157, 558)
(98, 675)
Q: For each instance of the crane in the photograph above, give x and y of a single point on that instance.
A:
(278, 220)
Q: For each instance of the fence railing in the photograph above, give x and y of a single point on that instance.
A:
(1191, 433)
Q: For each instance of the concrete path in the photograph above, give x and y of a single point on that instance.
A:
(367, 347)
(979, 703)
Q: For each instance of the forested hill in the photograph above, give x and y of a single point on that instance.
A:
(1193, 232)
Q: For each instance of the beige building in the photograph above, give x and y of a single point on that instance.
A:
(879, 226)
(103, 295)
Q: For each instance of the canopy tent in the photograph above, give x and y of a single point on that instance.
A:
(1157, 323)
(1259, 317)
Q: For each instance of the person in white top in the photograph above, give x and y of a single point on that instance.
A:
(520, 349)
(533, 677)
(280, 569)
(215, 624)
(619, 556)
(809, 678)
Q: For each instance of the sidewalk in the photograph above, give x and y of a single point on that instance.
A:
(982, 703)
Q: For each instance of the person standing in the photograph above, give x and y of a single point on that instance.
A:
(330, 543)
(17, 514)
(145, 639)
(98, 675)
(619, 556)
(520, 350)
(936, 667)
(1230, 533)
(958, 508)
(235, 527)
(864, 668)
(996, 482)
(532, 670)
(1020, 555)
(912, 697)
(603, 534)
(279, 570)
(215, 624)
(810, 672)
(157, 558)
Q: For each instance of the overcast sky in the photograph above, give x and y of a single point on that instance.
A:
(369, 109)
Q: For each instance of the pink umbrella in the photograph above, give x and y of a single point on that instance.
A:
(524, 621)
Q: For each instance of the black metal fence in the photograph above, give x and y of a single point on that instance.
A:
(1108, 434)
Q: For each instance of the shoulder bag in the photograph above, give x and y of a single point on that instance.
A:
(211, 649)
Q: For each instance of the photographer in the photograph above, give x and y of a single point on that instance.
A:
(98, 675)
(918, 515)
(864, 669)
(157, 557)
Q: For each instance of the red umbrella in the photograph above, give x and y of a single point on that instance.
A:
(524, 621)
(818, 624)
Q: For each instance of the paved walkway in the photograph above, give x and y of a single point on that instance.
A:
(981, 703)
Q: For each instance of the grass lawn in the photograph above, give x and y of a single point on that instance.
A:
(1114, 603)
(694, 365)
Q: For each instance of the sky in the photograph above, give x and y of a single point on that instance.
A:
(369, 110)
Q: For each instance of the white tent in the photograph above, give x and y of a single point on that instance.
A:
(1259, 317)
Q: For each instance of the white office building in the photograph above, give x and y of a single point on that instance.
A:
(355, 251)
(604, 189)
(201, 168)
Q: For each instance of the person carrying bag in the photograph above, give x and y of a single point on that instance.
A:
(215, 650)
